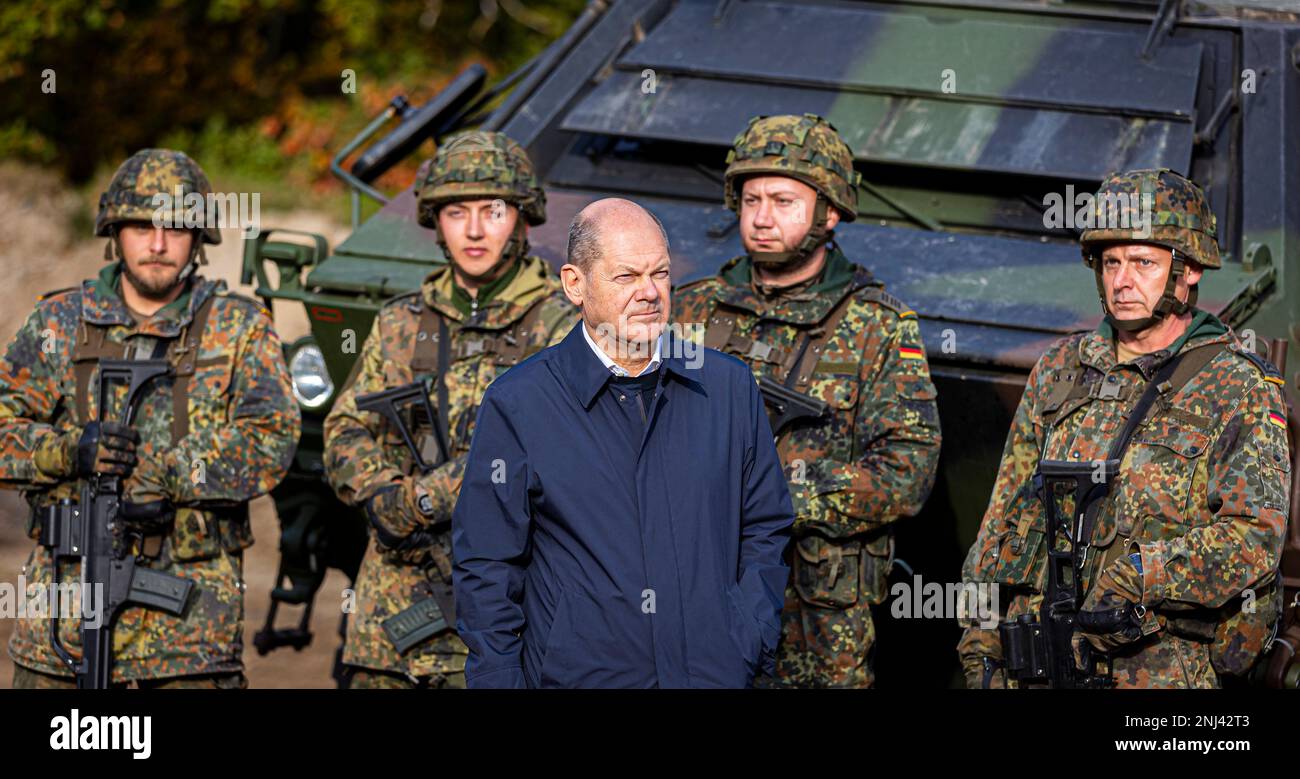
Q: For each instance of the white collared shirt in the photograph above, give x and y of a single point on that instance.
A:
(614, 367)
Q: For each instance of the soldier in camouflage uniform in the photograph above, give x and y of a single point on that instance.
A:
(803, 316)
(216, 433)
(489, 308)
(1179, 584)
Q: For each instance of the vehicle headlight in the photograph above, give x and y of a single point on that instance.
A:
(311, 381)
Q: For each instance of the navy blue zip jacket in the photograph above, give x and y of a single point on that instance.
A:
(585, 557)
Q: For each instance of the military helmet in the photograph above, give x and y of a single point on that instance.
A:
(479, 165)
(131, 194)
(807, 148)
(1156, 206)
(1180, 217)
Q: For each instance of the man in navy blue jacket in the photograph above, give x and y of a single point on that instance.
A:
(624, 514)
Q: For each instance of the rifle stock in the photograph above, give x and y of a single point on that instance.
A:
(785, 406)
(395, 406)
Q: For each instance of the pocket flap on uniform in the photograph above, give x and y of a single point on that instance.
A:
(211, 376)
(1275, 457)
(827, 573)
(1174, 435)
(1019, 558)
(815, 549)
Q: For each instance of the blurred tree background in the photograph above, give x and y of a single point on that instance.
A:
(252, 89)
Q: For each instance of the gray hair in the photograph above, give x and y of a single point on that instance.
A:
(584, 239)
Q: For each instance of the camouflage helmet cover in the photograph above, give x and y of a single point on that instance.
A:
(478, 165)
(807, 148)
(1181, 219)
(130, 196)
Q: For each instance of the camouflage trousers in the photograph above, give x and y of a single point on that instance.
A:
(27, 679)
(359, 678)
(822, 646)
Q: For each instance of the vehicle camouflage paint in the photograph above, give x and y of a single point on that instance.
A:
(963, 116)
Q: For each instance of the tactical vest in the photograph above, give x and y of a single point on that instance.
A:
(434, 351)
(1073, 392)
(181, 352)
(229, 524)
(829, 573)
(1235, 637)
(795, 367)
(504, 345)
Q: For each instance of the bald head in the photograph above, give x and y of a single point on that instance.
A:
(611, 216)
(618, 274)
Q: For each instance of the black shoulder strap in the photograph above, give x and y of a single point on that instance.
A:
(802, 368)
(53, 292)
(879, 295)
(1265, 367)
(1171, 377)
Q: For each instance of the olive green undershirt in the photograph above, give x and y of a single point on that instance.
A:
(1203, 324)
(110, 280)
(464, 302)
(837, 272)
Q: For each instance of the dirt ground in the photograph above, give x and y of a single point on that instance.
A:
(39, 252)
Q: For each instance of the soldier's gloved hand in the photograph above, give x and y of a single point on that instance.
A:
(1112, 614)
(146, 484)
(106, 448)
(100, 447)
(414, 549)
(151, 517)
(398, 509)
(400, 515)
(983, 673)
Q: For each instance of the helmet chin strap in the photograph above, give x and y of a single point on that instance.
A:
(817, 235)
(515, 248)
(197, 257)
(1167, 304)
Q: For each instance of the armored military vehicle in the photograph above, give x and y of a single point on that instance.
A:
(966, 116)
